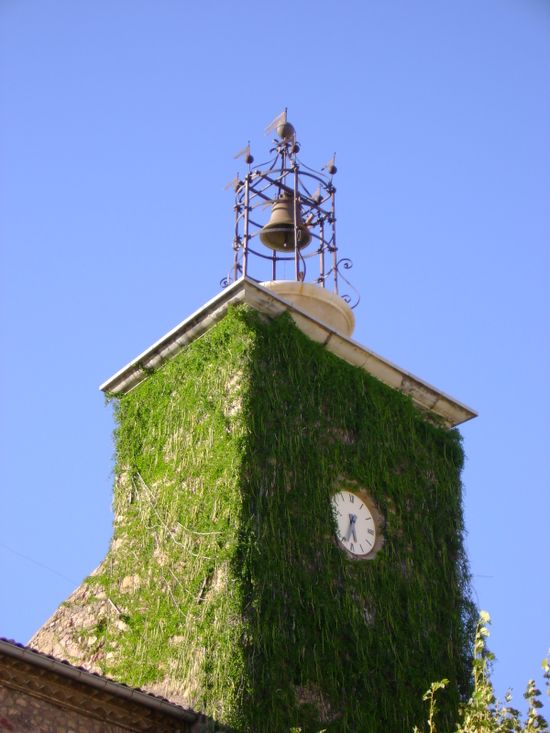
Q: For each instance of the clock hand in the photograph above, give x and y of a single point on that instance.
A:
(351, 529)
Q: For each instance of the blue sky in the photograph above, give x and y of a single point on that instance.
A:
(118, 126)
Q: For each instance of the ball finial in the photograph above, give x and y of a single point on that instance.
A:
(282, 127)
(285, 130)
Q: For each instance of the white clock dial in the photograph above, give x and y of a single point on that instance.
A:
(356, 528)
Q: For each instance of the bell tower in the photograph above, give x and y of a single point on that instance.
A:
(288, 538)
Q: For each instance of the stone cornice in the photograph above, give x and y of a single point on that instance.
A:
(428, 398)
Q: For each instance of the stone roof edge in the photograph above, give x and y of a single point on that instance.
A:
(79, 674)
(425, 396)
(175, 340)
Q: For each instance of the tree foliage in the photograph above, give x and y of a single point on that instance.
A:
(483, 712)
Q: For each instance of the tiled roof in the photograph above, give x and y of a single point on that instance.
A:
(63, 667)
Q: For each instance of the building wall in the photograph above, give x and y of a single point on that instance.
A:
(40, 694)
(21, 712)
(224, 587)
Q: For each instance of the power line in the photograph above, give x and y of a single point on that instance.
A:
(36, 562)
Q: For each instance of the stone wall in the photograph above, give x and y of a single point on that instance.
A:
(21, 712)
(41, 694)
(225, 588)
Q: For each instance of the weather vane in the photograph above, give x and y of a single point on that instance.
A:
(299, 239)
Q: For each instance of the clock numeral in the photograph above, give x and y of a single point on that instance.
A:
(351, 499)
(361, 546)
(351, 547)
(370, 543)
(370, 531)
(362, 505)
(343, 539)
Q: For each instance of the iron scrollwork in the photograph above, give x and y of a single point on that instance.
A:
(301, 202)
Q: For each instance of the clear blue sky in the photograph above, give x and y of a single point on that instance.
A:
(118, 125)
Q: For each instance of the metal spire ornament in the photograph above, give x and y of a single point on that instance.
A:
(301, 230)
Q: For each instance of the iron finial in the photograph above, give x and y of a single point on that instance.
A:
(330, 167)
(282, 127)
(246, 154)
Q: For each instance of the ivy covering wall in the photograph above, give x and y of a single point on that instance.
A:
(230, 591)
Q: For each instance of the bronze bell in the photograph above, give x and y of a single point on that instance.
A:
(278, 233)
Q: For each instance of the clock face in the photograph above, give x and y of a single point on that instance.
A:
(356, 528)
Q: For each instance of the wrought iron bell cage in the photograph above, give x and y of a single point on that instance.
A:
(302, 227)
